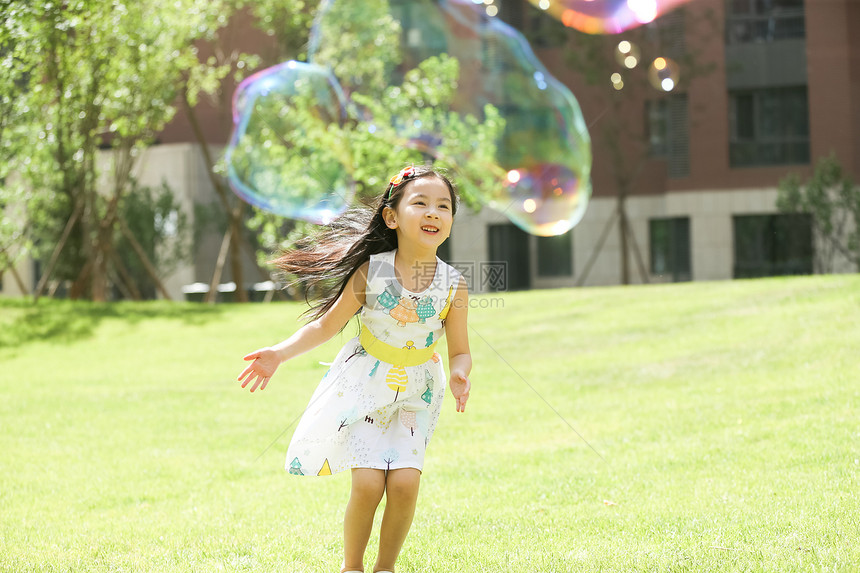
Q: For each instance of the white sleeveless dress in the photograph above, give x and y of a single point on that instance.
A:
(369, 413)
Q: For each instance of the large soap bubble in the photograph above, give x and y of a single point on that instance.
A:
(606, 16)
(281, 156)
(544, 151)
(284, 158)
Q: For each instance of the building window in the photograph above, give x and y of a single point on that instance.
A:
(555, 256)
(667, 132)
(768, 127)
(657, 127)
(509, 252)
(670, 247)
(772, 245)
(757, 21)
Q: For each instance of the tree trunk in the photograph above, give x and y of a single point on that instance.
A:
(234, 215)
(52, 262)
(219, 265)
(236, 254)
(622, 231)
(125, 277)
(150, 269)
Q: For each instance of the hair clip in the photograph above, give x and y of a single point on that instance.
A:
(405, 172)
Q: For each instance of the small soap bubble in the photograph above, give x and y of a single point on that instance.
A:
(538, 194)
(663, 74)
(627, 54)
(278, 158)
(606, 16)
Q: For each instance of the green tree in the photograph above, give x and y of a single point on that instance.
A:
(625, 86)
(361, 45)
(832, 198)
(16, 125)
(102, 76)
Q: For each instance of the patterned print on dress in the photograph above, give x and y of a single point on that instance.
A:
(425, 309)
(397, 380)
(357, 351)
(390, 456)
(427, 396)
(444, 312)
(405, 311)
(346, 418)
(296, 468)
(409, 420)
(325, 470)
(422, 420)
(331, 430)
(388, 299)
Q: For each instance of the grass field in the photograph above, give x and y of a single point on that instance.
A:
(723, 419)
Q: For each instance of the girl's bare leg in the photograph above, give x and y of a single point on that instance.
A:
(401, 491)
(364, 497)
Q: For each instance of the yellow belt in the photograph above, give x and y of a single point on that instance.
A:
(406, 356)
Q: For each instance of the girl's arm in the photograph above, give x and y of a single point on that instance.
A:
(459, 356)
(308, 337)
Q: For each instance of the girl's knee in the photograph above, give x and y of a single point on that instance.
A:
(368, 484)
(402, 483)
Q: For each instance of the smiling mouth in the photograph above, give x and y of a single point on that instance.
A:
(431, 230)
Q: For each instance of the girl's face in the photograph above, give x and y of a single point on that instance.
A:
(424, 214)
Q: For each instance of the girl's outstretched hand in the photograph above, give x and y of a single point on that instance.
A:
(260, 371)
(460, 387)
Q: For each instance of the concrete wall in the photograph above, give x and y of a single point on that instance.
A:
(711, 236)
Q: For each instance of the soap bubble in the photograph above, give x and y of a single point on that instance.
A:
(627, 54)
(268, 164)
(606, 16)
(537, 195)
(663, 74)
(545, 139)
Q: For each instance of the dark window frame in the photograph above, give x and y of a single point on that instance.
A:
(772, 245)
(555, 256)
(670, 247)
(754, 117)
(755, 21)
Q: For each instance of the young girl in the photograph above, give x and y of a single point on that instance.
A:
(377, 406)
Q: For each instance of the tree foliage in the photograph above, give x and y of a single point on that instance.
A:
(98, 81)
(619, 130)
(389, 125)
(832, 198)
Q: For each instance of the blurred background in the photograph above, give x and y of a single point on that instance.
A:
(724, 137)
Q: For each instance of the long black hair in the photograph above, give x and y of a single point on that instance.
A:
(323, 262)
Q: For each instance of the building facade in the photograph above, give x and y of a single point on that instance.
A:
(781, 90)
(778, 89)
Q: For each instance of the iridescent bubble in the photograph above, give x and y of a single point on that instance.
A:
(280, 157)
(627, 54)
(663, 73)
(544, 149)
(606, 16)
(538, 193)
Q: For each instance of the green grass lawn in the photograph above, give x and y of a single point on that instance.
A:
(724, 418)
